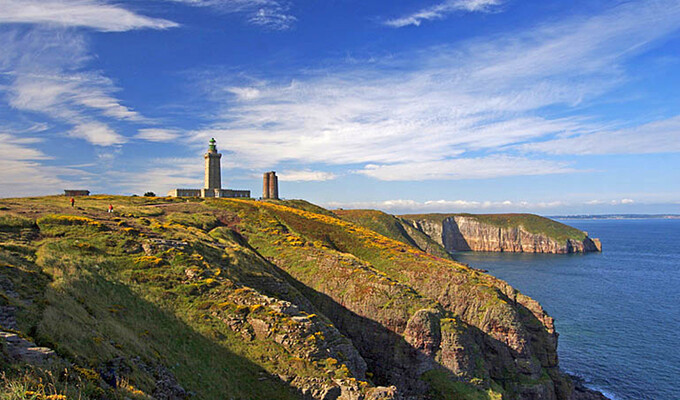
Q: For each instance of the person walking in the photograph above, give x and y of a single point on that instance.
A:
(73, 202)
(110, 208)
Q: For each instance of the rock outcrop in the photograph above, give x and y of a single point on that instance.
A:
(467, 233)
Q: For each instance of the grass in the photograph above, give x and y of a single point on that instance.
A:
(393, 228)
(15, 222)
(443, 387)
(228, 294)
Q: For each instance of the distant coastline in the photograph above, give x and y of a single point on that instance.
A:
(617, 216)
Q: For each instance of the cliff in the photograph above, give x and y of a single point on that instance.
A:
(226, 298)
(503, 232)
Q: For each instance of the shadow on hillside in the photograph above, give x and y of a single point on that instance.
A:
(395, 362)
(102, 323)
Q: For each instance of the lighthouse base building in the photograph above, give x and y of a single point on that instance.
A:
(213, 179)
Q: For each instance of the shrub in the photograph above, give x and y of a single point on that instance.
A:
(64, 224)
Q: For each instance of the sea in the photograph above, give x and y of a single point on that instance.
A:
(617, 312)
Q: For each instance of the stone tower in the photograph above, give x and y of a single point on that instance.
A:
(213, 179)
(270, 185)
(213, 176)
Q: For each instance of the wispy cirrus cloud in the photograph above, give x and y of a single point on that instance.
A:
(92, 14)
(441, 10)
(271, 14)
(465, 168)
(305, 175)
(654, 137)
(157, 134)
(44, 71)
(444, 114)
(22, 171)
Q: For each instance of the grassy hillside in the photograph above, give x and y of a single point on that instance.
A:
(243, 299)
(393, 228)
(530, 222)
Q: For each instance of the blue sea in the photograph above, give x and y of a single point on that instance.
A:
(617, 312)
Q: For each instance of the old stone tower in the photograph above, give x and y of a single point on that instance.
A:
(213, 175)
(270, 185)
(213, 179)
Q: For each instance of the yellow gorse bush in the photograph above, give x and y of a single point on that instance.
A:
(67, 220)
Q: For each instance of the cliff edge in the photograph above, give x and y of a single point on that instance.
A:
(502, 233)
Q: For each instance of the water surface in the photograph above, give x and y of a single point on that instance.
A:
(617, 312)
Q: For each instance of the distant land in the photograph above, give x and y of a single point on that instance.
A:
(618, 216)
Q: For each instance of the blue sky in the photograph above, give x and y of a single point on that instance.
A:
(444, 105)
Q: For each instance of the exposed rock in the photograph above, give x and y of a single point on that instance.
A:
(154, 245)
(113, 370)
(24, 350)
(167, 387)
(581, 392)
(383, 393)
(7, 318)
(424, 332)
(464, 233)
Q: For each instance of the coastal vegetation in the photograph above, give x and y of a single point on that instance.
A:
(230, 298)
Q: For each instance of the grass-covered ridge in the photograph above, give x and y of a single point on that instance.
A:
(532, 223)
(244, 299)
(394, 228)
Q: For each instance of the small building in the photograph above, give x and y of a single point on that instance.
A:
(270, 185)
(76, 193)
(212, 181)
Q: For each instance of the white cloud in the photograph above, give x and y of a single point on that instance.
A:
(614, 202)
(62, 94)
(305, 175)
(464, 168)
(441, 10)
(166, 174)
(97, 133)
(21, 171)
(273, 18)
(402, 206)
(245, 93)
(19, 149)
(45, 73)
(77, 13)
(157, 135)
(271, 14)
(426, 115)
(655, 137)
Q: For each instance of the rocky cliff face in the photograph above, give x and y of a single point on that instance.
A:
(463, 233)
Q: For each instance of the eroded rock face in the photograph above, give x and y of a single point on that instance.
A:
(462, 233)
(24, 350)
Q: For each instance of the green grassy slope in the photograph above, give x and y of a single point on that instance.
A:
(393, 228)
(531, 222)
(245, 299)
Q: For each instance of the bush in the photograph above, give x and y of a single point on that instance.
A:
(149, 194)
(63, 224)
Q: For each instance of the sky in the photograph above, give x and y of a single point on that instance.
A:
(544, 106)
